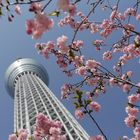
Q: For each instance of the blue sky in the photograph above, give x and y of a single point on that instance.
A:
(14, 42)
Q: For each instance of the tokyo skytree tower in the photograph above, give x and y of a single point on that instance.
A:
(26, 82)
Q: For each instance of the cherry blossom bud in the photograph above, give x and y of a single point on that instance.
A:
(129, 73)
(18, 9)
(133, 98)
(79, 114)
(138, 17)
(98, 137)
(126, 88)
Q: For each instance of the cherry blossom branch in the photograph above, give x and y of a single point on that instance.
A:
(77, 1)
(20, 3)
(118, 78)
(46, 5)
(95, 122)
(133, 31)
(92, 10)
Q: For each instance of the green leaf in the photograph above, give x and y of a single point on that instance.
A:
(71, 53)
(30, 138)
(55, 13)
(89, 101)
(1, 11)
(78, 92)
(90, 111)
(8, 2)
(77, 105)
(138, 90)
(75, 97)
(137, 44)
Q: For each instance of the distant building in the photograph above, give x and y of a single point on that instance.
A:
(26, 82)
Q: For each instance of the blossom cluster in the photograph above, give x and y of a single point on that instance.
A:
(43, 128)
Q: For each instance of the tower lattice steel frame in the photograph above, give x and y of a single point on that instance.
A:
(26, 82)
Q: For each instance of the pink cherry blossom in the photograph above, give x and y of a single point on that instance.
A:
(95, 106)
(61, 41)
(30, 25)
(98, 43)
(106, 32)
(36, 27)
(107, 55)
(81, 71)
(92, 81)
(61, 62)
(126, 88)
(23, 135)
(71, 9)
(137, 132)
(12, 137)
(129, 121)
(130, 11)
(35, 7)
(77, 44)
(79, 114)
(105, 23)
(47, 128)
(88, 95)
(65, 89)
(98, 137)
(45, 53)
(36, 136)
(92, 64)
(64, 49)
(121, 16)
(94, 28)
(80, 13)
(112, 81)
(133, 98)
(113, 15)
(131, 111)
(128, 28)
(50, 45)
(55, 131)
(78, 60)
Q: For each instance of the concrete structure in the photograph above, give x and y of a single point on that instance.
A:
(26, 82)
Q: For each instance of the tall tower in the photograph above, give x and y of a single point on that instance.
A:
(26, 82)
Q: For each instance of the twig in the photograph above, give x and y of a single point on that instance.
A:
(92, 10)
(46, 5)
(99, 128)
